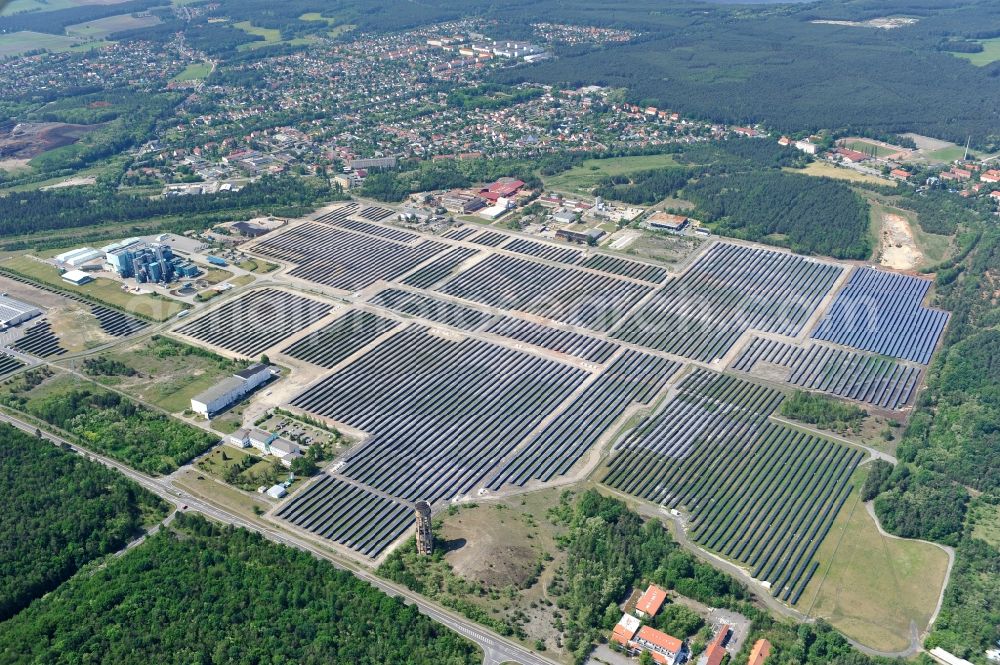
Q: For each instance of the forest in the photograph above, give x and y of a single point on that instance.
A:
(73, 207)
(106, 422)
(199, 593)
(60, 511)
(773, 66)
(806, 214)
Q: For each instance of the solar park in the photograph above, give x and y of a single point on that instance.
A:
(479, 362)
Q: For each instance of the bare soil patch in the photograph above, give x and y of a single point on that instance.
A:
(898, 249)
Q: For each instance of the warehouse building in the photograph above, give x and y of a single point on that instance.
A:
(14, 312)
(77, 257)
(76, 277)
(230, 390)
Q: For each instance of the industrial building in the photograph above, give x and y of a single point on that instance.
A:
(76, 277)
(230, 390)
(425, 535)
(665, 221)
(77, 257)
(147, 262)
(14, 312)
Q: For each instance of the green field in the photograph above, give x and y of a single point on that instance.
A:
(102, 27)
(16, 43)
(194, 72)
(989, 54)
(18, 6)
(155, 307)
(949, 154)
(869, 586)
(826, 170)
(169, 373)
(869, 148)
(583, 177)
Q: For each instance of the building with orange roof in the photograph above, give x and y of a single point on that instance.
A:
(993, 175)
(902, 174)
(650, 602)
(716, 651)
(625, 630)
(665, 649)
(761, 651)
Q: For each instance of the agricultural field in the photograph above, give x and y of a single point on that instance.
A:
(18, 6)
(870, 585)
(145, 306)
(160, 371)
(102, 27)
(761, 494)
(254, 322)
(16, 43)
(827, 170)
(585, 176)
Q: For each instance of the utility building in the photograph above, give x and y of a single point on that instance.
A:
(425, 536)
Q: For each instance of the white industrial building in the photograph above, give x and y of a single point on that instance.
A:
(230, 390)
(77, 257)
(13, 312)
(77, 277)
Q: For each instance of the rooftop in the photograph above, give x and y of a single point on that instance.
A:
(224, 387)
(250, 371)
(651, 601)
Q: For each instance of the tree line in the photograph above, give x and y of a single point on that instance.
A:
(199, 593)
(60, 512)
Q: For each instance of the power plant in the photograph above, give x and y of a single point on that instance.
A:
(425, 537)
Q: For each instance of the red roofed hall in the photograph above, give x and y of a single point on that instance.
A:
(716, 651)
(761, 651)
(664, 649)
(502, 188)
(651, 601)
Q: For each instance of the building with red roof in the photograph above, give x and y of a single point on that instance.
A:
(761, 652)
(625, 630)
(852, 156)
(665, 649)
(715, 651)
(650, 602)
(502, 188)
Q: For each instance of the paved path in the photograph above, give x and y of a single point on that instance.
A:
(496, 649)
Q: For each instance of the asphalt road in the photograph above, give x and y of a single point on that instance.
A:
(496, 648)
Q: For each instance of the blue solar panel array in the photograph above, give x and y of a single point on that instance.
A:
(881, 312)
